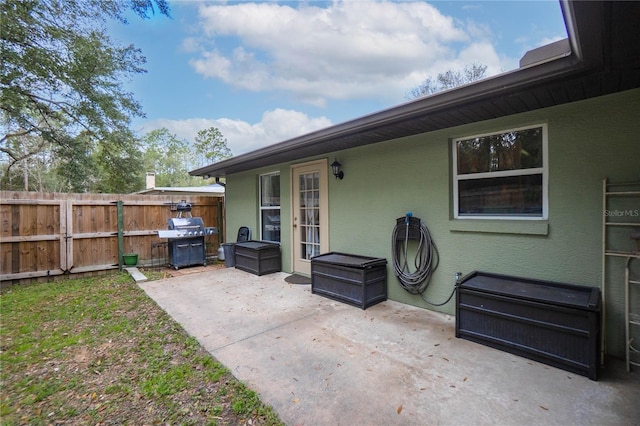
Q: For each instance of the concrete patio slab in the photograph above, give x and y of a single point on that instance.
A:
(320, 362)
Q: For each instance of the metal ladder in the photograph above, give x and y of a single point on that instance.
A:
(620, 216)
(631, 315)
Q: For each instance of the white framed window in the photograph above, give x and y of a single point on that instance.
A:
(502, 175)
(270, 207)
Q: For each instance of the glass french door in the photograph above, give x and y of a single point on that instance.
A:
(310, 233)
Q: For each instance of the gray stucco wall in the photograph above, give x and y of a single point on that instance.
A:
(588, 141)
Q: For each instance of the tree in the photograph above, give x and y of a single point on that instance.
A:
(119, 165)
(76, 168)
(61, 73)
(168, 157)
(25, 149)
(171, 158)
(448, 80)
(89, 165)
(211, 146)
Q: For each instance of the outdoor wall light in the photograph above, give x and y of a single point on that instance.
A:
(335, 166)
(206, 177)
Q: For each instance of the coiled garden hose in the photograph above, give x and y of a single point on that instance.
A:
(425, 261)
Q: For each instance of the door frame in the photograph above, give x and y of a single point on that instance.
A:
(322, 167)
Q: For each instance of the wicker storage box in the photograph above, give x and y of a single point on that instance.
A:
(553, 323)
(357, 280)
(258, 257)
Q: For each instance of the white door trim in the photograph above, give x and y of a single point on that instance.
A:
(298, 264)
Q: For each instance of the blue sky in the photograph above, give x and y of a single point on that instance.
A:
(264, 72)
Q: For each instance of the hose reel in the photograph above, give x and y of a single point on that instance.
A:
(409, 228)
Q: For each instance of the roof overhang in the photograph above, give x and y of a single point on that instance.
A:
(604, 59)
(206, 191)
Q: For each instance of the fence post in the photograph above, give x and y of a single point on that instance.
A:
(120, 235)
(66, 235)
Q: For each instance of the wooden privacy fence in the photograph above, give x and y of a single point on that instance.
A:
(47, 234)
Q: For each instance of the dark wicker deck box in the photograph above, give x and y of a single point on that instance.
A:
(552, 323)
(357, 280)
(258, 257)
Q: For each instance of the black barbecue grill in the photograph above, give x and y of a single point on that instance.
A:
(186, 240)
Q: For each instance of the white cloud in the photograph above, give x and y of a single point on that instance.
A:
(483, 53)
(275, 126)
(346, 50)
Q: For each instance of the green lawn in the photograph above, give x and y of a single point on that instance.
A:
(98, 350)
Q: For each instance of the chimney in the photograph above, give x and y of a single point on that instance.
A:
(151, 180)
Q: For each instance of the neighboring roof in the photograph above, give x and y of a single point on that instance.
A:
(604, 59)
(214, 190)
